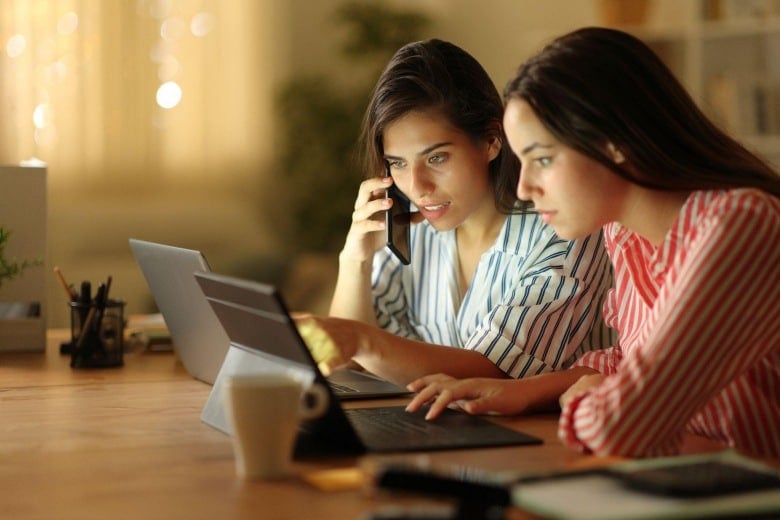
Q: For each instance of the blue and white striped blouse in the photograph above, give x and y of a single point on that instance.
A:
(533, 306)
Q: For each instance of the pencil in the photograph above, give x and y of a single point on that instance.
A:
(85, 327)
(71, 293)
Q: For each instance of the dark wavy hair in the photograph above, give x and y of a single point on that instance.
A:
(434, 75)
(596, 86)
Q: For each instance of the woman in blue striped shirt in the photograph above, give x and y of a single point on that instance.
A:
(486, 275)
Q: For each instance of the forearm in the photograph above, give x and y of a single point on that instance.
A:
(403, 360)
(544, 390)
(352, 295)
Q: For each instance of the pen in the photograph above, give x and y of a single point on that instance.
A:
(101, 299)
(72, 296)
(108, 286)
(87, 318)
(84, 301)
(86, 293)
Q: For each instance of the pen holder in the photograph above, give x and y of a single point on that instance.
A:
(97, 334)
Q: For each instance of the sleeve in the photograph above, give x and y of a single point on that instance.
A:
(390, 303)
(715, 316)
(604, 361)
(551, 308)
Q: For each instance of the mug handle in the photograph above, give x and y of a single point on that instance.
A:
(314, 402)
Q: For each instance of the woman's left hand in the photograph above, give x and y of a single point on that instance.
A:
(583, 384)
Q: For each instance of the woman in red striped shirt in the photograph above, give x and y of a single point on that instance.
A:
(608, 138)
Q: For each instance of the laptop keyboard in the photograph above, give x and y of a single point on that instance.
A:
(394, 429)
(385, 421)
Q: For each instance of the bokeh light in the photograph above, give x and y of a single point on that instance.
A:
(172, 29)
(42, 116)
(169, 67)
(16, 45)
(202, 24)
(169, 94)
(68, 23)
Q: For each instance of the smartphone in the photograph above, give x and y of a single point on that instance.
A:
(398, 221)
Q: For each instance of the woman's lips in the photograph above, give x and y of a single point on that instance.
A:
(546, 216)
(433, 211)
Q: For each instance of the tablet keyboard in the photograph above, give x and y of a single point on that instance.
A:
(392, 428)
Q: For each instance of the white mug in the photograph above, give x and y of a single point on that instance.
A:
(264, 412)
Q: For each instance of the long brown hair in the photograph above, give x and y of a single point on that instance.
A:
(596, 86)
(440, 77)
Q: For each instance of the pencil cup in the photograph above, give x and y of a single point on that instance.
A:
(264, 412)
(97, 334)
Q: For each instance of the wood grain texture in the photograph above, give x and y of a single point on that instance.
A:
(128, 443)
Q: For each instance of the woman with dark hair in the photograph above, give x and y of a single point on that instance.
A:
(486, 275)
(609, 139)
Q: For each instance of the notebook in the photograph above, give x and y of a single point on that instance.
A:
(264, 339)
(198, 338)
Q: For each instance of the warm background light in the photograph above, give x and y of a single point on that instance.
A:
(158, 118)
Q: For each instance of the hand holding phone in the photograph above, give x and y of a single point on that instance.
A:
(397, 222)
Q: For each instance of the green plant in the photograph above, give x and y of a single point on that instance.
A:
(318, 177)
(10, 268)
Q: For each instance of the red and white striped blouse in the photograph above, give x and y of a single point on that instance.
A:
(699, 334)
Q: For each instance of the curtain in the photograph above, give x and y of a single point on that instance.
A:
(126, 91)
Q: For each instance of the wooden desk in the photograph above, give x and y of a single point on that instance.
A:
(128, 443)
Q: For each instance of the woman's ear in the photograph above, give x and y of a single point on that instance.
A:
(494, 147)
(617, 155)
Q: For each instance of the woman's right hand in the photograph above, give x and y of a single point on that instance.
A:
(368, 219)
(332, 341)
(478, 396)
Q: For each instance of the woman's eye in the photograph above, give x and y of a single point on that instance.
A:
(543, 161)
(438, 158)
(395, 165)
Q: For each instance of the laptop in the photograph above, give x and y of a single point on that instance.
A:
(198, 337)
(264, 340)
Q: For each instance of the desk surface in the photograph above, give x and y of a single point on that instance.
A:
(128, 443)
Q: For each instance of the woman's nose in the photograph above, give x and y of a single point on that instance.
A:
(524, 186)
(420, 181)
